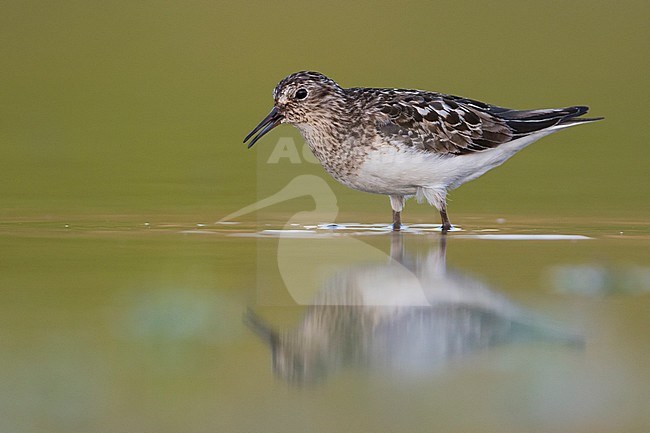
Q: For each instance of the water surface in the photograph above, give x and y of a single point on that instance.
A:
(193, 326)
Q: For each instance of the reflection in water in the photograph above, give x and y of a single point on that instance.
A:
(407, 317)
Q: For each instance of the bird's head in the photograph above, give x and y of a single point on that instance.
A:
(302, 98)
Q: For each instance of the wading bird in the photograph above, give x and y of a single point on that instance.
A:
(404, 143)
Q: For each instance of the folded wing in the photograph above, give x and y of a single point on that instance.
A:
(445, 124)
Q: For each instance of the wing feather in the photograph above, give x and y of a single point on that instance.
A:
(437, 123)
(446, 124)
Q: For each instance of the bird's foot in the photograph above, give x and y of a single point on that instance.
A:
(397, 221)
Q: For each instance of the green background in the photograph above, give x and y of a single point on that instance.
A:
(139, 108)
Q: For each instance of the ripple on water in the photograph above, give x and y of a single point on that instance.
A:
(346, 229)
(340, 229)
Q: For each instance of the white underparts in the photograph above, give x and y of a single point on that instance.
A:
(401, 172)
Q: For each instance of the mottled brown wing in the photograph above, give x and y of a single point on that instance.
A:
(439, 123)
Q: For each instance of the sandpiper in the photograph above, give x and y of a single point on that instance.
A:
(404, 143)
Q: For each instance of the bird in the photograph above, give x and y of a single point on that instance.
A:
(402, 142)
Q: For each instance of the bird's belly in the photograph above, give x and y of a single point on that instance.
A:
(400, 172)
(403, 171)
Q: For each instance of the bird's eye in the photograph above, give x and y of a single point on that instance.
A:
(301, 94)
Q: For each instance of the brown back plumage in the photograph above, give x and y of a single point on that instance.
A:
(446, 124)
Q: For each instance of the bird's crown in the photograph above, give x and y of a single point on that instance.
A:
(303, 79)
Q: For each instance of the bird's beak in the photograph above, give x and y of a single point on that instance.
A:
(269, 122)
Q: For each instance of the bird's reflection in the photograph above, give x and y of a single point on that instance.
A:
(410, 316)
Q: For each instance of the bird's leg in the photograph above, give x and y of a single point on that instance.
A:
(446, 225)
(397, 203)
(397, 221)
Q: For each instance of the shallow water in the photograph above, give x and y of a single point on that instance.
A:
(247, 327)
(129, 302)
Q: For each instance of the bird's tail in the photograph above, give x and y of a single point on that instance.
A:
(524, 122)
